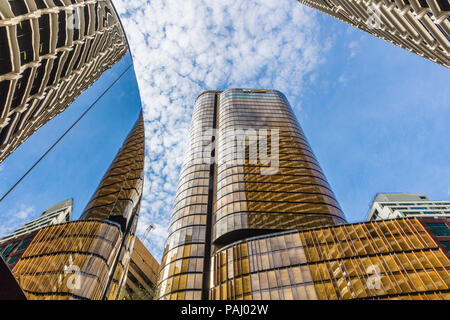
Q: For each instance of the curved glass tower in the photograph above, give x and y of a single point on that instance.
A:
(51, 51)
(255, 218)
(265, 179)
(89, 258)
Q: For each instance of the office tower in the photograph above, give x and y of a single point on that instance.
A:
(14, 245)
(254, 218)
(51, 51)
(399, 205)
(142, 274)
(236, 198)
(419, 26)
(89, 258)
(59, 213)
(388, 259)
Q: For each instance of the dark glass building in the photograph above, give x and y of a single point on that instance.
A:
(142, 274)
(51, 51)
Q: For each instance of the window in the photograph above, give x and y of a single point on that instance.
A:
(446, 244)
(14, 259)
(375, 215)
(9, 249)
(439, 229)
(24, 244)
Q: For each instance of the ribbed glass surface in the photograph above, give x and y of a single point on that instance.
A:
(93, 253)
(295, 195)
(69, 261)
(220, 200)
(394, 259)
(118, 199)
(182, 263)
(119, 193)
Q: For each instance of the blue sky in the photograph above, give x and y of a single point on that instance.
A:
(76, 165)
(375, 115)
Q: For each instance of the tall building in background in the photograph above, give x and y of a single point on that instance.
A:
(59, 213)
(400, 205)
(254, 218)
(14, 245)
(51, 51)
(89, 258)
(217, 204)
(142, 274)
(419, 26)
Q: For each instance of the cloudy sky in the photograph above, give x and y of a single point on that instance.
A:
(370, 110)
(375, 115)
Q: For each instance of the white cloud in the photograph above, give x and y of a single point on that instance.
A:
(181, 48)
(354, 48)
(15, 218)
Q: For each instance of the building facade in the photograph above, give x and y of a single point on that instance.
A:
(52, 50)
(401, 205)
(89, 258)
(142, 276)
(391, 259)
(419, 26)
(12, 249)
(248, 171)
(255, 218)
(13, 246)
(59, 213)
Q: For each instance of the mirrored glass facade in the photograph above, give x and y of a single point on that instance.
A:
(224, 195)
(394, 259)
(293, 195)
(89, 258)
(51, 51)
(69, 261)
(182, 265)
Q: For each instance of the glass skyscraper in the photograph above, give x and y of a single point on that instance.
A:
(51, 51)
(255, 218)
(89, 258)
(218, 202)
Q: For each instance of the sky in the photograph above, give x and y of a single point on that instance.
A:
(375, 115)
(74, 168)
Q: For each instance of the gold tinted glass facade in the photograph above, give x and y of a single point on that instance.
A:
(218, 202)
(89, 259)
(419, 26)
(296, 195)
(181, 275)
(394, 259)
(51, 51)
(118, 194)
(69, 261)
